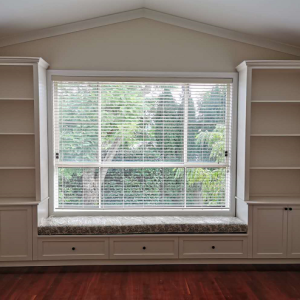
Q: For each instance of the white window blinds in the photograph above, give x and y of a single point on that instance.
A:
(139, 145)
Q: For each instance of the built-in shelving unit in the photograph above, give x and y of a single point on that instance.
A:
(269, 131)
(23, 130)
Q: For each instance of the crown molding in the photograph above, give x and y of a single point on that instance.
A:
(15, 60)
(72, 27)
(269, 64)
(152, 15)
(221, 32)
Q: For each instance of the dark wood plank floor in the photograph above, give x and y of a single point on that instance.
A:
(152, 282)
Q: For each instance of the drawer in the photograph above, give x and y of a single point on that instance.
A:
(72, 248)
(143, 248)
(213, 247)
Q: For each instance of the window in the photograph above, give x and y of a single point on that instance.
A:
(142, 145)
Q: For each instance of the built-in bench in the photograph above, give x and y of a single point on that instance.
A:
(116, 225)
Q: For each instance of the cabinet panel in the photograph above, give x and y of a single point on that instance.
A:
(143, 248)
(72, 248)
(212, 247)
(15, 234)
(294, 232)
(269, 232)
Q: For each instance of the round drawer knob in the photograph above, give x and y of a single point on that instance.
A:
(73, 248)
(213, 247)
(144, 248)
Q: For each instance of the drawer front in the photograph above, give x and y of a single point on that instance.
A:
(213, 247)
(71, 248)
(143, 248)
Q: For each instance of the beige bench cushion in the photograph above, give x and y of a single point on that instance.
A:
(106, 225)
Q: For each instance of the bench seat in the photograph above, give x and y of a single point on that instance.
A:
(118, 225)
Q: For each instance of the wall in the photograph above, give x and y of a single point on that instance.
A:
(142, 45)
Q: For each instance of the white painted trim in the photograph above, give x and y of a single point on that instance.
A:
(233, 146)
(19, 61)
(269, 64)
(72, 27)
(152, 15)
(215, 236)
(125, 262)
(126, 74)
(135, 165)
(145, 74)
(146, 212)
(50, 143)
(221, 32)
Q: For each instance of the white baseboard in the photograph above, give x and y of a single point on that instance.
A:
(245, 261)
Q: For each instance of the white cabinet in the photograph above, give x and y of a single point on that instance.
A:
(268, 160)
(269, 231)
(23, 153)
(276, 231)
(15, 233)
(293, 249)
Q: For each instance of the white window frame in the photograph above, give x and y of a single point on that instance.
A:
(125, 74)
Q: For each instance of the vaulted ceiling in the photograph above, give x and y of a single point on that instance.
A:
(275, 20)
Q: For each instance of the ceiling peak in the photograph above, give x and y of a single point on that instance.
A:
(152, 15)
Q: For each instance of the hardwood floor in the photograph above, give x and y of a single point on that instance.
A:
(152, 282)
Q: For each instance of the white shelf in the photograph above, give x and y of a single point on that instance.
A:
(274, 168)
(17, 168)
(18, 201)
(17, 133)
(16, 99)
(274, 200)
(274, 134)
(275, 101)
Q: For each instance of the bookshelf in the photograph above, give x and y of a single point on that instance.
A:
(23, 130)
(269, 130)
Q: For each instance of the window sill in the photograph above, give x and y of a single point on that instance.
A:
(148, 212)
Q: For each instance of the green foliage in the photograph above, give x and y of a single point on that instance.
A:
(78, 123)
(211, 182)
(215, 140)
(121, 112)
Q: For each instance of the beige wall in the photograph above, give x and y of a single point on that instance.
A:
(142, 45)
